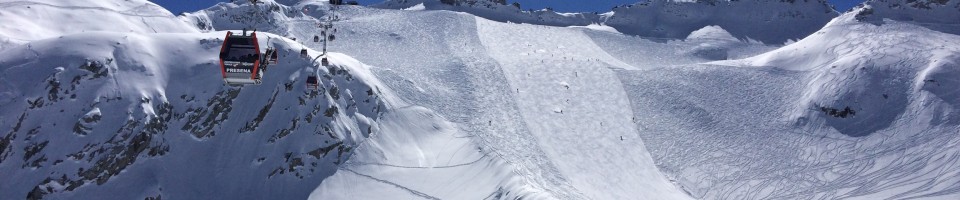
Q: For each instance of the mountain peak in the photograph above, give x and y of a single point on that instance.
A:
(940, 15)
(769, 21)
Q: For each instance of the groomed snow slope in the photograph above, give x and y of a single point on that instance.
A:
(569, 95)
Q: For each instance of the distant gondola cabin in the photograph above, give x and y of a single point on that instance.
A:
(313, 82)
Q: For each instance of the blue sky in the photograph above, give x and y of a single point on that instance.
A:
(178, 6)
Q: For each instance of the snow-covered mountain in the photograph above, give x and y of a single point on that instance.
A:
(266, 15)
(425, 103)
(866, 54)
(25, 21)
(938, 15)
(497, 10)
(124, 114)
(768, 21)
(859, 109)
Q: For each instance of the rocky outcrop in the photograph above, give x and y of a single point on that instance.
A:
(91, 120)
(939, 15)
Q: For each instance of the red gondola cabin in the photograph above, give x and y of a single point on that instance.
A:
(241, 61)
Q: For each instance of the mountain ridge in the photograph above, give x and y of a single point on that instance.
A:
(762, 20)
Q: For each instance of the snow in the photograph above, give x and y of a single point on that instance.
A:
(880, 55)
(938, 15)
(104, 91)
(432, 72)
(599, 27)
(762, 20)
(759, 20)
(158, 68)
(416, 7)
(711, 32)
(575, 145)
(483, 102)
(418, 151)
(498, 12)
(876, 70)
(39, 19)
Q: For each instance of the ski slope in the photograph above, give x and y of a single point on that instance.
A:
(559, 84)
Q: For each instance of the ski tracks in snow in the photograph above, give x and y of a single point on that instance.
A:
(412, 191)
(415, 167)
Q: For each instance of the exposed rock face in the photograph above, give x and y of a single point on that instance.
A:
(87, 120)
(939, 15)
(264, 16)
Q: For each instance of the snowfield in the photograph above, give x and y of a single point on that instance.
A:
(25, 21)
(425, 100)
